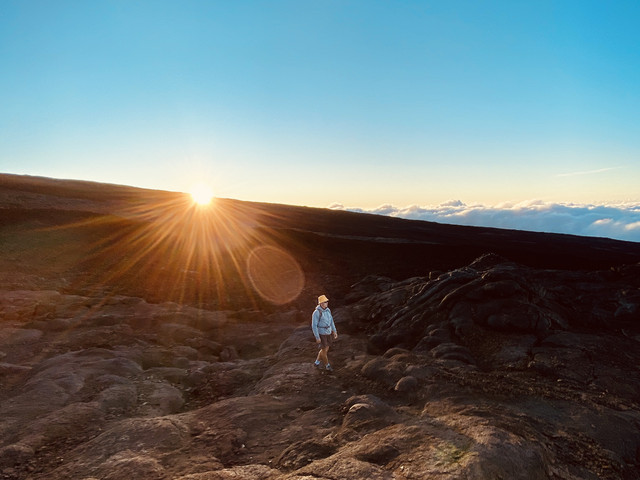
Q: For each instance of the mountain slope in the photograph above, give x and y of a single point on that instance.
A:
(143, 337)
(92, 227)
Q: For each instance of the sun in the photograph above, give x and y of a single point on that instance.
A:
(201, 194)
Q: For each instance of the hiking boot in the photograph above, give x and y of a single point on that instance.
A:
(329, 368)
(318, 365)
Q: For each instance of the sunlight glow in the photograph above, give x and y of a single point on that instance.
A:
(164, 246)
(201, 194)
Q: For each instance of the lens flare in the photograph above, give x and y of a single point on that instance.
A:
(275, 274)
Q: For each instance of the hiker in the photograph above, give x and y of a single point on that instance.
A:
(324, 329)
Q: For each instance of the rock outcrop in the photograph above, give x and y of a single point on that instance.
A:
(494, 370)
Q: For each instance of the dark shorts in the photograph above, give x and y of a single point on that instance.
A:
(325, 341)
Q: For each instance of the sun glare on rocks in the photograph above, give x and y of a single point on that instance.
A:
(201, 194)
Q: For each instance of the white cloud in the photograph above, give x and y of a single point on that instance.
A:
(619, 221)
(587, 172)
(633, 226)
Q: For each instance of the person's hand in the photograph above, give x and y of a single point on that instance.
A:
(335, 335)
(317, 340)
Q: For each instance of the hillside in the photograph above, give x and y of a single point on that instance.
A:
(143, 337)
(85, 230)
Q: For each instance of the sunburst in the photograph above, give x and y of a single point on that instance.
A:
(202, 194)
(167, 247)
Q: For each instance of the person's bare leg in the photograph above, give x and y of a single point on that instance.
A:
(322, 356)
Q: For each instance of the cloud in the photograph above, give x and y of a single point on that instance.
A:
(587, 172)
(619, 221)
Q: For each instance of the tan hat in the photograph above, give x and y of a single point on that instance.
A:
(322, 299)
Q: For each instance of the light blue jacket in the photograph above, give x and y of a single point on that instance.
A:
(322, 324)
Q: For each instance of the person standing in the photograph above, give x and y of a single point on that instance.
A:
(324, 329)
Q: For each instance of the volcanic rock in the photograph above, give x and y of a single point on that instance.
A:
(121, 362)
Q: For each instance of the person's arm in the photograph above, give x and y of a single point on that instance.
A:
(314, 324)
(334, 330)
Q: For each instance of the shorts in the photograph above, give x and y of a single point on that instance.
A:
(325, 341)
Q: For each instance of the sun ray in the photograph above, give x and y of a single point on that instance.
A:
(164, 247)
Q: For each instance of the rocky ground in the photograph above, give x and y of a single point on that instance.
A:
(493, 370)
(487, 368)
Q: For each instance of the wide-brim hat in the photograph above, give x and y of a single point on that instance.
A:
(322, 299)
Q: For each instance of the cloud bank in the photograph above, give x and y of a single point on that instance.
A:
(618, 221)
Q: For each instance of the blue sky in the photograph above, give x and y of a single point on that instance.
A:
(412, 104)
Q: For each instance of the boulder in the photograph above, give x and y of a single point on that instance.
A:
(365, 413)
(159, 398)
(406, 384)
(384, 370)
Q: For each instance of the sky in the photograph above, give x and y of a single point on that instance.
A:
(501, 113)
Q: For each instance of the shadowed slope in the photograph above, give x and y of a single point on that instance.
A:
(158, 244)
